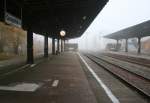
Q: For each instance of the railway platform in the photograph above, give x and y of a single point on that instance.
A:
(59, 79)
(69, 77)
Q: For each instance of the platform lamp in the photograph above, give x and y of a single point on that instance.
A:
(62, 34)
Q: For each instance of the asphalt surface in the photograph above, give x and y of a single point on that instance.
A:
(61, 79)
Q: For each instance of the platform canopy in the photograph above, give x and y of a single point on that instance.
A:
(51, 16)
(139, 30)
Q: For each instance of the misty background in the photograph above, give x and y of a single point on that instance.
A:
(116, 15)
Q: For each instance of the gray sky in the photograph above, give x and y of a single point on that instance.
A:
(119, 14)
(116, 15)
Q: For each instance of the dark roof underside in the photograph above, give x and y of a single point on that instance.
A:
(50, 16)
(140, 30)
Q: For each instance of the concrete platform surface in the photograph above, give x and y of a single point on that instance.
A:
(61, 79)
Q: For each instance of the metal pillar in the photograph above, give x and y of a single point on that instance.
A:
(126, 46)
(64, 45)
(58, 46)
(30, 59)
(46, 46)
(53, 46)
(61, 45)
(2, 9)
(117, 45)
(139, 45)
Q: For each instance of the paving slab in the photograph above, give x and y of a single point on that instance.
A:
(61, 79)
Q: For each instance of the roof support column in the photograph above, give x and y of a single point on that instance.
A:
(58, 46)
(139, 45)
(2, 9)
(45, 46)
(53, 46)
(117, 45)
(126, 45)
(61, 45)
(30, 57)
(64, 44)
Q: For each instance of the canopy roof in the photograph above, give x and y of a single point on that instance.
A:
(51, 16)
(139, 30)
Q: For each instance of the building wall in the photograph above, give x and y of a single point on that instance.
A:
(12, 40)
(145, 44)
(71, 47)
(38, 45)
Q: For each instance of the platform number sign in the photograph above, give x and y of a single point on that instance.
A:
(12, 20)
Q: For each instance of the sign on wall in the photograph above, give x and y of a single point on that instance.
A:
(12, 20)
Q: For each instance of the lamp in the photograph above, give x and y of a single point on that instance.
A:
(62, 33)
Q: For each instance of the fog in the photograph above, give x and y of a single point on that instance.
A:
(116, 15)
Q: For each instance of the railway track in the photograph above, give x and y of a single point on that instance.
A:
(141, 61)
(137, 81)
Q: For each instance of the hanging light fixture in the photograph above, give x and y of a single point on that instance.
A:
(62, 33)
